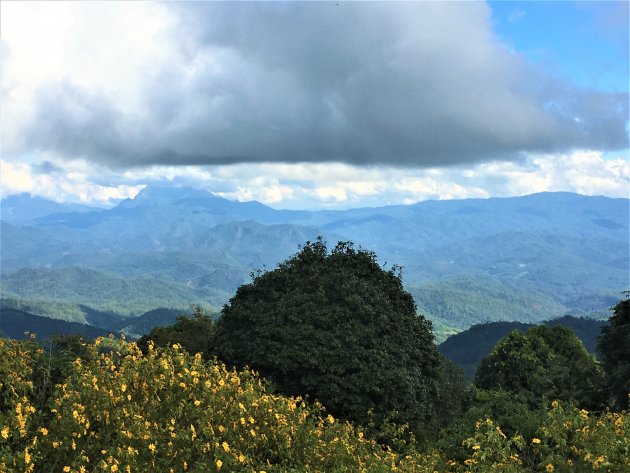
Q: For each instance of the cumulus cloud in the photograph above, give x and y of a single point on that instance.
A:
(73, 187)
(420, 84)
(334, 186)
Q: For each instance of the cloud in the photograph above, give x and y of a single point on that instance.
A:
(73, 187)
(335, 186)
(407, 84)
(517, 15)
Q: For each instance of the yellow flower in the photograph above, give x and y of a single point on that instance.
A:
(241, 458)
(549, 468)
(535, 440)
(226, 446)
(44, 431)
(330, 419)
(123, 387)
(152, 448)
(5, 432)
(27, 457)
(114, 468)
(66, 468)
(219, 464)
(476, 447)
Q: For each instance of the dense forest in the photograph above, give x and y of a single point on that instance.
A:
(321, 364)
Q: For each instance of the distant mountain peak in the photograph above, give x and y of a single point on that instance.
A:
(170, 193)
(154, 195)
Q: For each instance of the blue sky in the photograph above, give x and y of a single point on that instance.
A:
(585, 41)
(315, 105)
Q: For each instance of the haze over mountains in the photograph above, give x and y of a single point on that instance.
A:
(525, 259)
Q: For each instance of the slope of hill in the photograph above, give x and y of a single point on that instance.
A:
(22, 208)
(102, 291)
(15, 324)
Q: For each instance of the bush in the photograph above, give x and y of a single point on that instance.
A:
(195, 334)
(543, 363)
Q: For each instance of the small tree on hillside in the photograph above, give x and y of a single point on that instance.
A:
(544, 362)
(338, 328)
(194, 333)
(614, 348)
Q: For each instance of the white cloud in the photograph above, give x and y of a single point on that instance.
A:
(311, 186)
(329, 194)
(75, 187)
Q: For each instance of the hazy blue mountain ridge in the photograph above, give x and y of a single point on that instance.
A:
(466, 261)
(22, 208)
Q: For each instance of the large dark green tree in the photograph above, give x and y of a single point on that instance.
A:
(614, 348)
(544, 362)
(339, 328)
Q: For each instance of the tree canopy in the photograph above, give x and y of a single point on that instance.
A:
(195, 334)
(614, 348)
(339, 328)
(548, 362)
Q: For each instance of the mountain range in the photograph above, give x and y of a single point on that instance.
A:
(526, 259)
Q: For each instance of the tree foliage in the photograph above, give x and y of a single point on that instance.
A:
(544, 362)
(339, 328)
(614, 348)
(195, 334)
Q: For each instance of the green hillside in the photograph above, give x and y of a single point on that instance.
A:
(21, 325)
(103, 291)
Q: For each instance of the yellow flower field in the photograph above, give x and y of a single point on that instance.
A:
(122, 411)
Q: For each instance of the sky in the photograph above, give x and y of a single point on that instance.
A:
(314, 105)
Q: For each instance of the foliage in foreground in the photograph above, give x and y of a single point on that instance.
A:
(120, 410)
(544, 362)
(614, 348)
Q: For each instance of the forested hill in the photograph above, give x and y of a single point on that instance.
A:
(18, 325)
(528, 258)
(466, 349)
